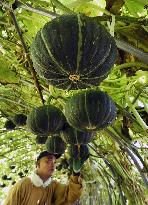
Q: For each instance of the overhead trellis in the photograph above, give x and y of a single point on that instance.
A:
(116, 171)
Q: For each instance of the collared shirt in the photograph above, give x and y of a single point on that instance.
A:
(38, 182)
(33, 191)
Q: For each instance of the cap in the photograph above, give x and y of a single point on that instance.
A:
(46, 153)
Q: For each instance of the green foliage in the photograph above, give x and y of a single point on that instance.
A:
(111, 175)
(137, 7)
(7, 75)
(90, 8)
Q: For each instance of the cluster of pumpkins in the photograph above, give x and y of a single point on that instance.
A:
(73, 52)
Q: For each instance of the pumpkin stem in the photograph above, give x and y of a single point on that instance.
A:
(79, 151)
(74, 77)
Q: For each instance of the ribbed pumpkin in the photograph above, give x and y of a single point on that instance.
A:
(73, 52)
(45, 120)
(79, 151)
(55, 144)
(90, 110)
(41, 139)
(73, 136)
(20, 119)
(9, 125)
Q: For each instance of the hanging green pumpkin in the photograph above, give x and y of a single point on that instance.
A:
(73, 52)
(9, 125)
(73, 136)
(90, 110)
(55, 144)
(41, 139)
(45, 120)
(79, 151)
(78, 155)
(20, 119)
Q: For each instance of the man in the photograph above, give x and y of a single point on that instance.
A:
(40, 189)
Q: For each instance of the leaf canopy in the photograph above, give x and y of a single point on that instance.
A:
(116, 170)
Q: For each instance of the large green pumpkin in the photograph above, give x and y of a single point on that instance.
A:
(45, 120)
(73, 52)
(55, 145)
(73, 136)
(90, 110)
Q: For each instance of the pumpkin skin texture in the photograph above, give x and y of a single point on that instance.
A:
(90, 110)
(73, 136)
(9, 125)
(55, 145)
(45, 120)
(41, 139)
(79, 152)
(20, 119)
(78, 155)
(73, 52)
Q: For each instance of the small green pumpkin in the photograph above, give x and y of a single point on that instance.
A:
(73, 52)
(79, 151)
(41, 139)
(55, 144)
(73, 136)
(45, 120)
(90, 110)
(20, 119)
(9, 125)
(78, 155)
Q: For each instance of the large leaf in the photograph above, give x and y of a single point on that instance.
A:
(7, 75)
(136, 7)
(110, 176)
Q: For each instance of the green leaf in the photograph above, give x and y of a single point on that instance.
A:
(108, 165)
(88, 7)
(6, 74)
(136, 7)
(77, 165)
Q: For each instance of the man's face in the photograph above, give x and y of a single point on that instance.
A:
(47, 165)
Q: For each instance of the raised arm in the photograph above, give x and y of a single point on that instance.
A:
(68, 194)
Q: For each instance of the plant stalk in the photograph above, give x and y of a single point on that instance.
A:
(129, 152)
(27, 55)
